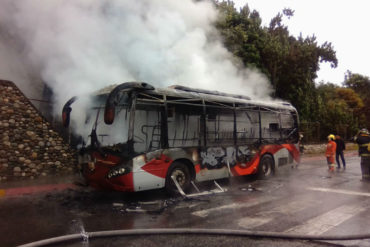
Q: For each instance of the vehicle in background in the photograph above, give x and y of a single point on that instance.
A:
(142, 136)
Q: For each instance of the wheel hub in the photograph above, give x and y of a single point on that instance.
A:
(180, 176)
(266, 168)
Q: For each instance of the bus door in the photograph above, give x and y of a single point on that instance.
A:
(277, 129)
(147, 128)
(219, 153)
(247, 134)
(184, 125)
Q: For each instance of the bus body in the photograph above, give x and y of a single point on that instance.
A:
(142, 136)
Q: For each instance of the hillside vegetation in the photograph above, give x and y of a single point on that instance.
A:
(291, 63)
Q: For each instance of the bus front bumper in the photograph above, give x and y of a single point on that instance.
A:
(100, 177)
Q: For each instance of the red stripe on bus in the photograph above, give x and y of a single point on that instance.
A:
(293, 151)
(158, 166)
(123, 183)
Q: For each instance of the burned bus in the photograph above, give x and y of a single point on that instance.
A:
(142, 136)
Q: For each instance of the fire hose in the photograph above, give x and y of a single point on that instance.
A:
(84, 236)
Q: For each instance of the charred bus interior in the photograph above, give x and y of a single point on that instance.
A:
(138, 128)
(163, 121)
(151, 120)
(148, 120)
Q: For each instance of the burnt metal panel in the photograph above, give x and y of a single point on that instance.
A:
(164, 124)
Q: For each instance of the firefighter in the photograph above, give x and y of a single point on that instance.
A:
(363, 141)
(341, 146)
(330, 152)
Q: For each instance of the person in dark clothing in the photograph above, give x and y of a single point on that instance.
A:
(341, 146)
(363, 141)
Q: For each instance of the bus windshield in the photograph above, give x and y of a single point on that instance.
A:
(108, 135)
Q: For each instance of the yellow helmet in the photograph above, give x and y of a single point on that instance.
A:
(364, 131)
(331, 136)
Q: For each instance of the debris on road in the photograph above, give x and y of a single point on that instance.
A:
(249, 188)
(210, 192)
(144, 207)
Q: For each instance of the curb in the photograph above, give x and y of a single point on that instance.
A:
(310, 157)
(20, 191)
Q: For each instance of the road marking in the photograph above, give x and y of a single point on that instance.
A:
(250, 222)
(239, 205)
(269, 215)
(291, 207)
(347, 192)
(326, 221)
(188, 206)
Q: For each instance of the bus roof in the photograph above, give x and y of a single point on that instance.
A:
(177, 91)
(207, 95)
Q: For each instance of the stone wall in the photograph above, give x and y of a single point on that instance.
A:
(29, 147)
(321, 148)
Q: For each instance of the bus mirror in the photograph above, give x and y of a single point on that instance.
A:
(109, 114)
(110, 104)
(66, 113)
(66, 116)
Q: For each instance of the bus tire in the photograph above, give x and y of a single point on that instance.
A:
(182, 175)
(266, 167)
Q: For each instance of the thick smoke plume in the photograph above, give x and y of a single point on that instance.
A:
(78, 46)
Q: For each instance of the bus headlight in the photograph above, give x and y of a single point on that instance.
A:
(91, 166)
(118, 171)
(84, 158)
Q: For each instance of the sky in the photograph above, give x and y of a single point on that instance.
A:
(343, 23)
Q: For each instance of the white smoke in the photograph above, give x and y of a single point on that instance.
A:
(80, 46)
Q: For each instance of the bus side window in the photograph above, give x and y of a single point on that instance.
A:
(219, 127)
(270, 126)
(147, 129)
(247, 127)
(184, 125)
(289, 128)
(274, 127)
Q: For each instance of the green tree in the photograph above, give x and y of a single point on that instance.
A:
(241, 32)
(275, 50)
(290, 63)
(339, 109)
(361, 85)
(299, 64)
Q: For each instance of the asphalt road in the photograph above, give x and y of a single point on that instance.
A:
(307, 200)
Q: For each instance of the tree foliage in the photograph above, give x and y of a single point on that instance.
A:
(339, 107)
(291, 63)
(361, 85)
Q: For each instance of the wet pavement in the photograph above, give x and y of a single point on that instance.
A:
(307, 200)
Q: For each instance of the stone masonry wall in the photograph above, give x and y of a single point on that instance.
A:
(29, 147)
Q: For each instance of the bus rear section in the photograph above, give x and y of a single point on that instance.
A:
(152, 135)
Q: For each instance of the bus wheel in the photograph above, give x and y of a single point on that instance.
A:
(266, 167)
(182, 175)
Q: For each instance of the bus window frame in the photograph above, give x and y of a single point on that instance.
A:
(164, 101)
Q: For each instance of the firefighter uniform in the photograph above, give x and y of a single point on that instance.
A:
(363, 141)
(330, 152)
